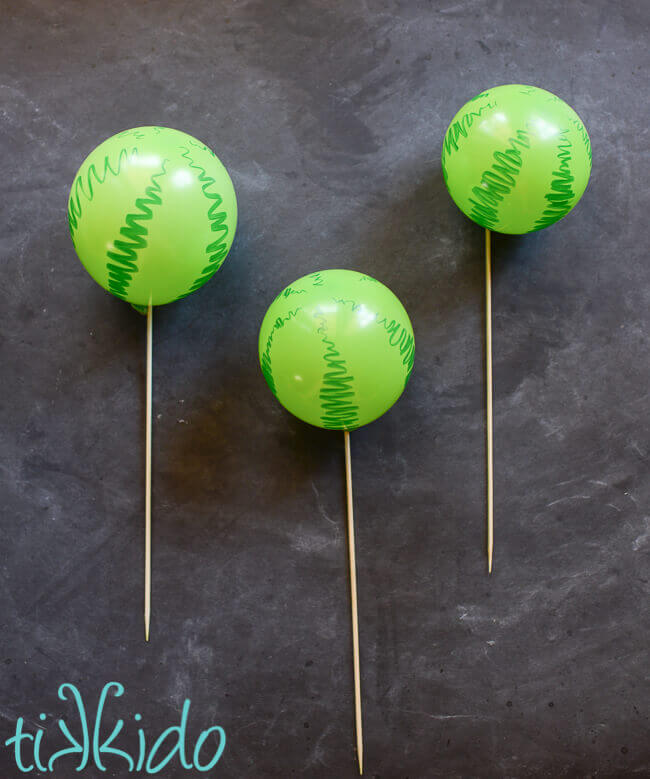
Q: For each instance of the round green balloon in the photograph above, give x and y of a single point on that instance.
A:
(516, 159)
(152, 214)
(336, 348)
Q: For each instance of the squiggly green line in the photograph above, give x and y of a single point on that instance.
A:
(217, 249)
(317, 279)
(498, 181)
(124, 254)
(461, 128)
(289, 291)
(83, 186)
(336, 395)
(265, 361)
(562, 194)
(582, 131)
(398, 336)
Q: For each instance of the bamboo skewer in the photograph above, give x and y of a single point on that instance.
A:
(353, 601)
(488, 382)
(147, 489)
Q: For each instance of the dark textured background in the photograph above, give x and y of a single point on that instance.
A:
(330, 117)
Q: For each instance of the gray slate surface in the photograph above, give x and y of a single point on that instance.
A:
(330, 117)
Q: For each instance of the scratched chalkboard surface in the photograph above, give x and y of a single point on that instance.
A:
(330, 118)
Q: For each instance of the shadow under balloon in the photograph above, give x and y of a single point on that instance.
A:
(534, 309)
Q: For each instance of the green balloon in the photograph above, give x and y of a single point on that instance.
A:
(516, 159)
(336, 348)
(152, 214)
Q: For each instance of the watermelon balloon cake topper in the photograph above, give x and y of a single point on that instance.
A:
(336, 348)
(152, 215)
(515, 159)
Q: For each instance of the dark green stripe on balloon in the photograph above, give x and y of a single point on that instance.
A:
(83, 186)
(340, 412)
(398, 335)
(124, 254)
(337, 393)
(265, 360)
(560, 198)
(460, 128)
(217, 249)
(582, 132)
(498, 181)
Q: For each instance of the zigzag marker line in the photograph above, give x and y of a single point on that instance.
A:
(582, 131)
(562, 194)
(124, 254)
(398, 336)
(316, 279)
(287, 292)
(83, 186)
(218, 249)
(498, 181)
(461, 128)
(265, 360)
(336, 395)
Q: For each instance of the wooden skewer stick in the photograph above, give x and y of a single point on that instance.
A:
(488, 382)
(353, 599)
(147, 488)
